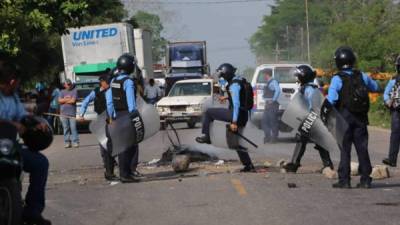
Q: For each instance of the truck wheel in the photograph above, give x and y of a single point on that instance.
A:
(10, 202)
(191, 124)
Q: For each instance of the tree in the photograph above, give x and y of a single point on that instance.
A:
(151, 22)
(30, 30)
(369, 27)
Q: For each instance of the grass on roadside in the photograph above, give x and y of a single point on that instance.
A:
(379, 115)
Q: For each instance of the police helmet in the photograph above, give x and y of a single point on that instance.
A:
(226, 71)
(304, 74)
(126, 63)
(397, 64)
(36, 139)
(344, 58)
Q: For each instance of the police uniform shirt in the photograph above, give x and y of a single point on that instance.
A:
(129, 89)
(273, 85)
(88, 99)
(309, 92)
(388, 89)
(234, 90)
(11, 108)
(337, 83)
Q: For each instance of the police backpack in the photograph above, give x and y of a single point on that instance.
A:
(354, 93)
(246, 94)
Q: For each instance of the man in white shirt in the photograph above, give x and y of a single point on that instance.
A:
(152, 92)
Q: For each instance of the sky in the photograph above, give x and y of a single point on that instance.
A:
(225, 27)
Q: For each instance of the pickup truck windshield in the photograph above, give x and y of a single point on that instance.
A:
(191, 89)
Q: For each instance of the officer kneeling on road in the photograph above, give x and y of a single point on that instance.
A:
(122, 97)
(348, 92)
(99, 98)
(37, 137)
(236, 114)
(305, 75)
(391, 97)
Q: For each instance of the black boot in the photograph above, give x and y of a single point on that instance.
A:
(203, 140)
(341, 184)
(128, 179)
(248, 169)
(35, 221)
(291, 167)
(388, 162)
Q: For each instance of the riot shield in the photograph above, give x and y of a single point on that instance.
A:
(98, 128)
(327, 137)
(126, 130)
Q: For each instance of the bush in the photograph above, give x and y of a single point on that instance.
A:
(378, 114)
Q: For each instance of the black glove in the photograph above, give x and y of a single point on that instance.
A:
(326, 108)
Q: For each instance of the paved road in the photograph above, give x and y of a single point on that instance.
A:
(77, 193)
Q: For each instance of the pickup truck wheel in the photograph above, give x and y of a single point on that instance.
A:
(191, 124)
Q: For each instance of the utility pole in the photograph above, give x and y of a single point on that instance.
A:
(287, 43)
(308, 34)
(302, 42)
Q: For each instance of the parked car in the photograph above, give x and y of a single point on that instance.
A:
(283, 73)
(186, 101)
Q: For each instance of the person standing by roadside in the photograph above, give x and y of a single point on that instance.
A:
(270, 121)
(391, 98)
(67, 100)
(152, 92)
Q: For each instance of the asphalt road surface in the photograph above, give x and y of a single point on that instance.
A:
(77, 194)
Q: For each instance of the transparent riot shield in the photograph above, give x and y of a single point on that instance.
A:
(98, 128)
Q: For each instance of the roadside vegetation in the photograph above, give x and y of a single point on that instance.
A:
(30, 30)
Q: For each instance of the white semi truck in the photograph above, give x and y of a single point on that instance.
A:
(93, 50)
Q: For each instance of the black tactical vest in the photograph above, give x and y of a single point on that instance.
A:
(100, 100)
(268, 93)
(354, 95)
(243, 114)
(118, 94)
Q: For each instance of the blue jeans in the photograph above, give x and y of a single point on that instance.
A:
(37, 165)
(70, 131)
(270, 121)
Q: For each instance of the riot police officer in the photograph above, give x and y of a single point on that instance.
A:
(270, 121)
(35, 163)
(235, 114)
(305, 76)
(122, 97)
(391, 98)
(348, 92)
(98, 96)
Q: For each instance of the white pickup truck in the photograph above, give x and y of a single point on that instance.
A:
(186, 102)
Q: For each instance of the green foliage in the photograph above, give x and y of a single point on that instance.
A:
(30, 30)
(152, 23)
(379, 115)
(369, 27)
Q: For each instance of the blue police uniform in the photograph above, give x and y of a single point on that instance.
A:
(395, 124)
(128, 160)
(98, 96)
(270, 121)
(309, 90)
(35, 163)
(357, 132)
(234, 114)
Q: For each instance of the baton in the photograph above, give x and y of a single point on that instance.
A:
(241, 136)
